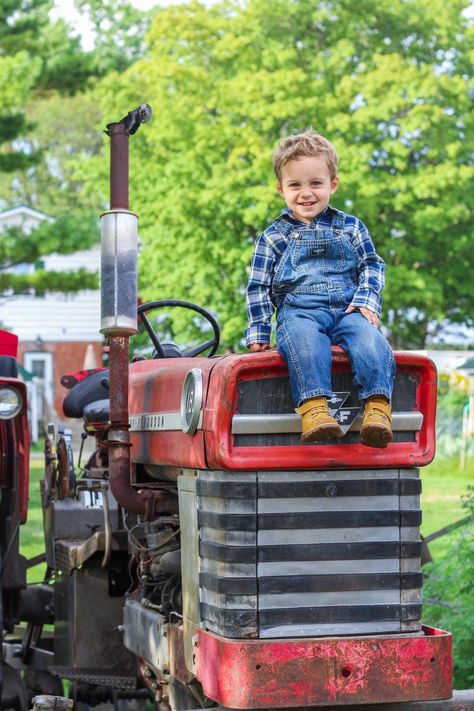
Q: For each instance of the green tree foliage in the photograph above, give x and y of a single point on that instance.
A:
(61, 122)
(64, 235)
(35, 54)
(119, 30)
(66, 132)
(41, 67)
(386, 80)
(50, 124)
(449, 597)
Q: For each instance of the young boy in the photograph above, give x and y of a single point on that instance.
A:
(318, 267)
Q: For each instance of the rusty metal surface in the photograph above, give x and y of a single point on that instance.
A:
(119, 439)
(177, 663)
(145, 503)
(253, 674)
(118, 378)
(118, 166)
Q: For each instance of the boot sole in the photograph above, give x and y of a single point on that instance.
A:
(322, 433)
(376, 436)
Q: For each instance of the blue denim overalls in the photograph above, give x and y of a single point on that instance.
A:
(313, 284)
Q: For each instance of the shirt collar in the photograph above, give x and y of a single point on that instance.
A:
(287, 213)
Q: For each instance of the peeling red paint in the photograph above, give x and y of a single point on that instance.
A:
(358, 670)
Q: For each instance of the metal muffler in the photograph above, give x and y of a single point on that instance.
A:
(119, 240)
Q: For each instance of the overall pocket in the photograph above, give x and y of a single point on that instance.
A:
(322, 253)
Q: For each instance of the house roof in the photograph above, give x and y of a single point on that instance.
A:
(54, 317)
(467, 365)
(24, 211)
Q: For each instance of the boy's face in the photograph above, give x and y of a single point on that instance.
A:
(306, 186)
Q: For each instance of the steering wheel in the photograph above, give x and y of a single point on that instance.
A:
(212, 343)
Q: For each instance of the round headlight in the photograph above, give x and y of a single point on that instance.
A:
(11, 403)
(191, 401)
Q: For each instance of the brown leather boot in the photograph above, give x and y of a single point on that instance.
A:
(376, 430)
(317, 423)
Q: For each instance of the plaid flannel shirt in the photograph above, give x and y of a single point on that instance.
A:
(268, 250)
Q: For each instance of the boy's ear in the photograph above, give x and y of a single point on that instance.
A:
(334, 184)
(280, 188)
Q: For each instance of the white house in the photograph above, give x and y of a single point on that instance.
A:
(57, 332)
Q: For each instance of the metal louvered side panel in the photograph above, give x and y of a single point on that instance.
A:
(409, 536)
(338, 552)
(309, 553)
(227, 517)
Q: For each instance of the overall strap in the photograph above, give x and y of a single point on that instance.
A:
(337, 222)
(283, 226)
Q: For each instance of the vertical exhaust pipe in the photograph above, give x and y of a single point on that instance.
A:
(119, 240)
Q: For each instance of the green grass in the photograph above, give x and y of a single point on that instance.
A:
(31, 533)
(443, 485)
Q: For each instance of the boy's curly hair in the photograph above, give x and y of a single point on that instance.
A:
(308, 143)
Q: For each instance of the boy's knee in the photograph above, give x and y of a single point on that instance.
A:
(371, 343)
(376, 342)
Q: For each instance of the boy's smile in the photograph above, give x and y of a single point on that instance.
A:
(306, 186)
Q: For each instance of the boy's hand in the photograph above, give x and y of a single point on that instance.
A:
(256, 347)
(366, 313)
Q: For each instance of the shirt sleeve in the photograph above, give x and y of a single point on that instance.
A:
(259, 303)
(371, 271)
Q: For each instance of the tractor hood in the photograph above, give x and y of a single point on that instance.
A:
(235, 412)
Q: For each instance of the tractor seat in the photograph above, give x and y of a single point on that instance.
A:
(97, 411)
(87, 391)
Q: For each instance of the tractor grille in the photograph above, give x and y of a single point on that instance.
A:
(295, 554)
(271, 397)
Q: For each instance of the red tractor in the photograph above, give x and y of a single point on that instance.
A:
(205, 557)
(14, 470)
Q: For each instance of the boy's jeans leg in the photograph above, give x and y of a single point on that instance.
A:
(372, 358)
(303, 343)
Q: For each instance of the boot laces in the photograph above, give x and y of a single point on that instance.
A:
(377, 411)
(318, 410)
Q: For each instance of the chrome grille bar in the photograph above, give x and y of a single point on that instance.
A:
(290, 423)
